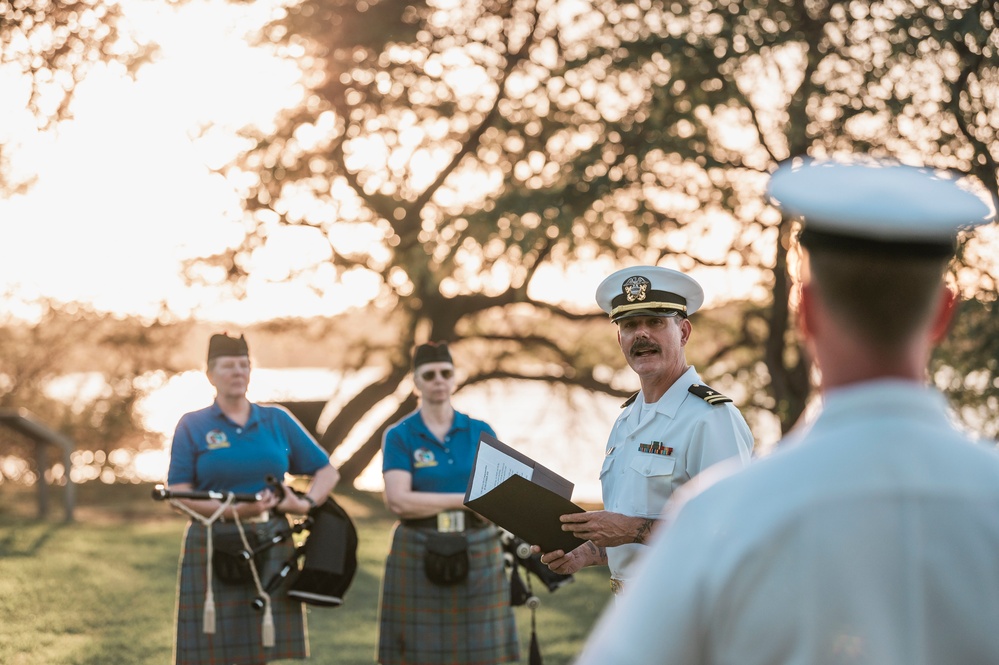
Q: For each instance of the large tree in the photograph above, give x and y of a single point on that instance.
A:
(52, 46)
(483, 149)
(55, 43)
(81, 372)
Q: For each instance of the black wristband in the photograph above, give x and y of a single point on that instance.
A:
(312, 503)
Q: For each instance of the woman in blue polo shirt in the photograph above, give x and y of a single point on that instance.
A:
(444, 598)
(234, 446)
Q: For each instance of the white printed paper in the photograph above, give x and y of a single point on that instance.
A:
(492, 467)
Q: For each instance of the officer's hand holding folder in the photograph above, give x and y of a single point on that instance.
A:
(520, 495)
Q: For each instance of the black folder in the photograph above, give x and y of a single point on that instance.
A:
(529, 509)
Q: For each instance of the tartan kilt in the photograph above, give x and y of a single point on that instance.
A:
(421, 623)
(237, 639)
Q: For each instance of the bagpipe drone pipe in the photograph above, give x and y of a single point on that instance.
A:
(517, 554)
(321, 568)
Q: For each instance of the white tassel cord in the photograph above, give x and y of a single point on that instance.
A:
(208, 617)
(267, 627)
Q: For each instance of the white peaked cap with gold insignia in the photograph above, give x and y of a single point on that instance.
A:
(649, 291)
(876, 205)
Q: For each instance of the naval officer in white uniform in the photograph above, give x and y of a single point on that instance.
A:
(872, 534)
(671, 430)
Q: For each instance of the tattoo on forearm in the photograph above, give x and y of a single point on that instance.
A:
(644, 531)
(599, 552)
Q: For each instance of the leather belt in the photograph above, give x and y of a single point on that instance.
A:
(448, 521)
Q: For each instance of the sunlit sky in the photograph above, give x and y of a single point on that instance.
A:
(124, 191)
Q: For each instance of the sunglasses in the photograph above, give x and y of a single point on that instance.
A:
(431, 374)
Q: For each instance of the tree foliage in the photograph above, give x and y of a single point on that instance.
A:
(81, 372)
(967, 365)
(55, 44)
(484, 148)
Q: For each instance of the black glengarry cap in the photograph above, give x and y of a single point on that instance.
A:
(221, 344)
(431, 352)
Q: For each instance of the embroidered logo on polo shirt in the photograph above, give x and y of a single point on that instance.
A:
(423, 457)
(216, 439)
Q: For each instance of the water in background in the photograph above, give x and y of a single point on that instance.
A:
(562, 428)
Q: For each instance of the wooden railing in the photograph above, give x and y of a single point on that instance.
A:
(26, 423)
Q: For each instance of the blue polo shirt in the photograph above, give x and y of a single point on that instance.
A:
(437, 466)
(211, 452)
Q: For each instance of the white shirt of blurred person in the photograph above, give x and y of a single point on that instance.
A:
(871, 535)
(671, 430)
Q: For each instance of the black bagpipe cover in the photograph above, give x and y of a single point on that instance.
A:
(330, 557)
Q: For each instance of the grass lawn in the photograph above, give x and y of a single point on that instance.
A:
(100, 590)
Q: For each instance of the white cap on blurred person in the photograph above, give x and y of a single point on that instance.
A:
(863, 204)
(649, 291)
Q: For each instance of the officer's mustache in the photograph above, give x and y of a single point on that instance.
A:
(644, 345)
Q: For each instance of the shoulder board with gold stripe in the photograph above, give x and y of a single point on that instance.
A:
(630, 400)
(708, 394)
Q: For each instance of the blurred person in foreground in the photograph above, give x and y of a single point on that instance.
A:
(235, 446)
(672, 429)
(444, 598)
(871, 535)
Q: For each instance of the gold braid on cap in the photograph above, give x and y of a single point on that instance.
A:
(672, 306)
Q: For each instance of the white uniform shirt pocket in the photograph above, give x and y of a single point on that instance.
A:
(653, 465)
(655, 485)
